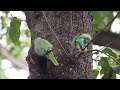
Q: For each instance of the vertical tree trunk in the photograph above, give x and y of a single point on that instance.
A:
(66, 24)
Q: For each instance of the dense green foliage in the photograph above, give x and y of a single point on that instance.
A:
(106, 66)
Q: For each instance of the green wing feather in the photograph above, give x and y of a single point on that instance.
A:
(42, 46)
(74, 42)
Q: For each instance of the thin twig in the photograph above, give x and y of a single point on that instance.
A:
(12, 17)
(102, 29)
(105, 54)
(22, 20)
(16, 19)
(97, 51)
(95, 60)
(54, 33)
(24, 27)
(9, 57)
(106, 46)
(89, 55)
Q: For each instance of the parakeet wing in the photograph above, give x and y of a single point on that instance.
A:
(42, 46)
(74, 43)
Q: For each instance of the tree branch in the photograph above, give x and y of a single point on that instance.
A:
(18, 63)
(102, 30)
(106, 37)
(105, 54)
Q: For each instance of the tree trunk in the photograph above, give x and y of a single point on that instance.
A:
(66, 24)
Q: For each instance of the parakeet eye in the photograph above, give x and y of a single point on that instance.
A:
(48, 52)
(86, 40)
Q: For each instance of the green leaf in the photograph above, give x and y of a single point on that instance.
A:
(7, 37)
(95, 73)
(106, 70)
(97, 52)
(14, 31)
(111, 63)
(101, 19)
(1, 57)
(118, 59)
(103, 62)
(3, 23)
(27, 32)
(113, 76)
(102, 71)
(110, 52)
(108, 73)
(96, 19)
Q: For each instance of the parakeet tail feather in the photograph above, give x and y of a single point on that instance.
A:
(51, 57)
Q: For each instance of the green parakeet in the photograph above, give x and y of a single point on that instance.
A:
(80, 40)
(43, 48)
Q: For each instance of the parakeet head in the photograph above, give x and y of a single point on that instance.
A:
(81, 40)
(85, 35)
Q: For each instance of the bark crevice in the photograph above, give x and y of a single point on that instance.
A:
(66, 25)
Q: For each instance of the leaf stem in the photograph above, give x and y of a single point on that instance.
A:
(105, 54)
(106, 46)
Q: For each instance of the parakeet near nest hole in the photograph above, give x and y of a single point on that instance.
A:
(43, 47)
(80, 41)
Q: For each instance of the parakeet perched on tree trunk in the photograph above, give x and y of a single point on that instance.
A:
(80, 41)
(43, 48)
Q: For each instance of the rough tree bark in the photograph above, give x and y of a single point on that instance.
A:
(66, 25)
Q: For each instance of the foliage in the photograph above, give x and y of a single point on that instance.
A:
(13, 38)
(107, 67)
(101, 19)
(18, 39)
(2, 75)
(14, 30)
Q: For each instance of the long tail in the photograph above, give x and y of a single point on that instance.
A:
(51, 57)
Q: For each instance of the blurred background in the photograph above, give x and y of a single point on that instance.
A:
(13, 63)
(12, 58)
